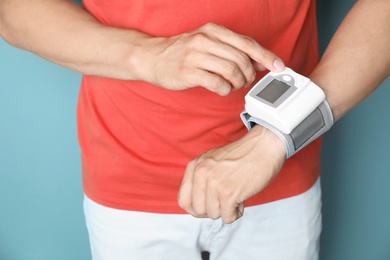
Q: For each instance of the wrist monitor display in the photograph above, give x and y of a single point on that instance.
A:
(291, 106)
(283, 99)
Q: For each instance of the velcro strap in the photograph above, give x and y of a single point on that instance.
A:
(313, 126)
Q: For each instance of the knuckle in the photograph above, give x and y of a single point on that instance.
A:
(248, 41)
(210, 26)
(267, 54)
(200, 174)
(184, 204)
(201, 169)
(246, 65)
(213, 215)
(192, 163)
(243, 60)
(228, 219)
(240, 81)
(214, 83)
(199, 39)
(217, 84)
(230, 69)
(198, 211)
(252, 76)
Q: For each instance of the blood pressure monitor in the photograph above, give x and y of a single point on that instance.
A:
(290, 105)
(283, 99)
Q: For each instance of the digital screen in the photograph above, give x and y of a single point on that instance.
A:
(274, 90)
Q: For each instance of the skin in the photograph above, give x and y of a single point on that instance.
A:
(217, 183)
(210, 56)
(357, 60)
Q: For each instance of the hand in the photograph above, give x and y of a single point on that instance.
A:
(217, 183)
(212, 57)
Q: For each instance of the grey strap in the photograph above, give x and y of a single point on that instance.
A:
(313, 126)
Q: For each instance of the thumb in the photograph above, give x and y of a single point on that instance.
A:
(240, 210)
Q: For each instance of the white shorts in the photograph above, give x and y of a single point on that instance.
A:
(285, 229)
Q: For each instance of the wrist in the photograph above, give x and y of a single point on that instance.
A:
(267, 137)
(130, 56)
(291, 106)
(144, 57)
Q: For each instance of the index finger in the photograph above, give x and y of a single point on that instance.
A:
(247, 45)
(185, 190)
(185, 195)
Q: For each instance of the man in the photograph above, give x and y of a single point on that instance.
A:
(164, 83)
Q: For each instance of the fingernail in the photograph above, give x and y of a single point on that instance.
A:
(279, 65)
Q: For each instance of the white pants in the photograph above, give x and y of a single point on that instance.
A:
(285, 229)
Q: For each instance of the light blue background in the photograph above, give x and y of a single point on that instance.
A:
(40, 190)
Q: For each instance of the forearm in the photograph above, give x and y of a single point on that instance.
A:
(66, 34)
(210, 56)
(357, 59)
(355, 63)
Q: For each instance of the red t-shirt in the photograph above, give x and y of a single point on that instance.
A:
(136, 138)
